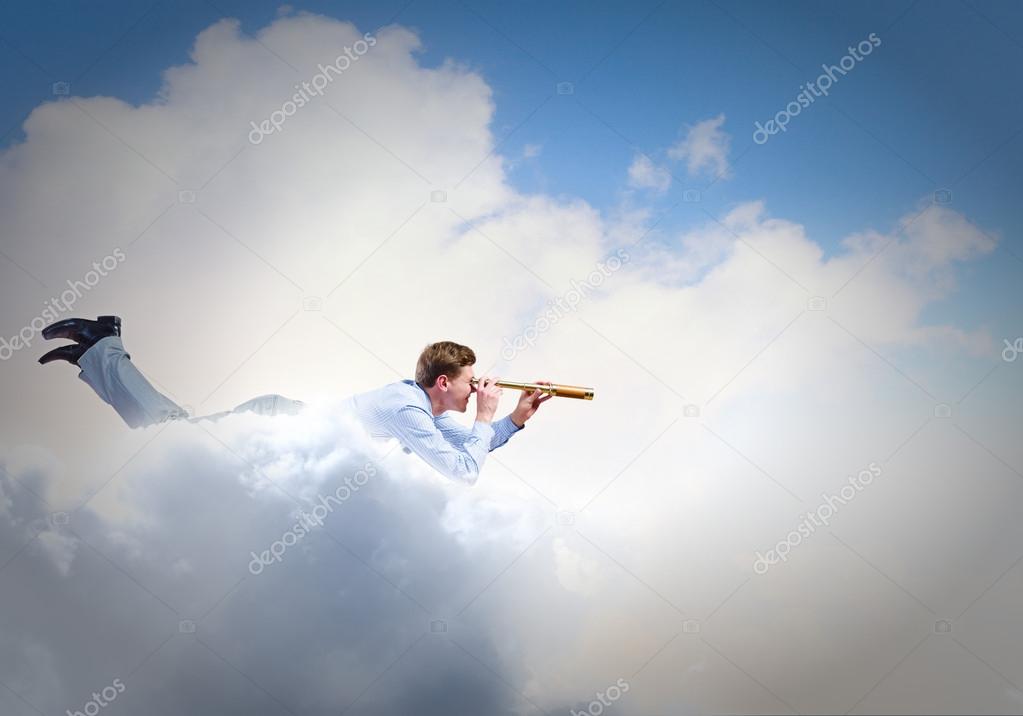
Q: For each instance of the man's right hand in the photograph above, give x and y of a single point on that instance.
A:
(488, 395)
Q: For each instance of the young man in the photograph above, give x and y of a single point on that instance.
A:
(414, 412)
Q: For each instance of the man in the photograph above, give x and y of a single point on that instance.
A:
(414, 412)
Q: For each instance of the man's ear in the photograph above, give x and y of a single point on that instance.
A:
(442, 382)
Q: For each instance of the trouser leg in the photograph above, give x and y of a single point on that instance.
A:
(272, 404)
(108, 370)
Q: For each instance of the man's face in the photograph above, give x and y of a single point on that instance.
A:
(461, 390)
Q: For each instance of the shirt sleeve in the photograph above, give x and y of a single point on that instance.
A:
(455, 433)
(504, 429)
(460, 459)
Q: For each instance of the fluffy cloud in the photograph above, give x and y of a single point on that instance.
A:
(644, 174)
(313, 625)
(728, 401)
(704, 148)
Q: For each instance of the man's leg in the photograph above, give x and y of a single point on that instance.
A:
(108, 370)
(272, 404)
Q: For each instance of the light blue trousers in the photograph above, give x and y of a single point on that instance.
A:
(107, 368)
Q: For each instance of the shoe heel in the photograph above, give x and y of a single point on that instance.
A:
(114, 321)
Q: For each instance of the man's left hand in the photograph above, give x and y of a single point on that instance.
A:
(529, 403)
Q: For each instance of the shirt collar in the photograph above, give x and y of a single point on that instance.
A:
(421, 395)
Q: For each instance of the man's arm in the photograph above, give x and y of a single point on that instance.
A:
(461, 461)
(455, 433)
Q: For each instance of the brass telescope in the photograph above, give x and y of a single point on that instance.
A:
(558, 391)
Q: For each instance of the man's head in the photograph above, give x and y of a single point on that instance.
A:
(444, 370)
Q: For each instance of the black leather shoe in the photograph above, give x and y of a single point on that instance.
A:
(71, 353)
(82, 330)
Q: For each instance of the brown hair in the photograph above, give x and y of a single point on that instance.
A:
(443, 358)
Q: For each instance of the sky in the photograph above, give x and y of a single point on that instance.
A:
(820, 323)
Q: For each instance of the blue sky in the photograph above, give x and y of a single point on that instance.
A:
(934, 106)
(228, 241)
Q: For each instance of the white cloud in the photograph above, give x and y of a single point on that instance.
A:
(669, 509)
(704, 148)
(212, 499)
(644, 174)
(575, 571)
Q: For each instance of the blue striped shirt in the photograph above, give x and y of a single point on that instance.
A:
(403, 410)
